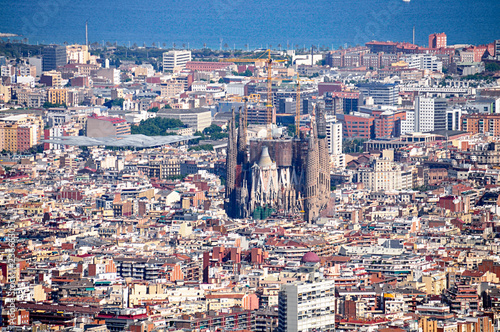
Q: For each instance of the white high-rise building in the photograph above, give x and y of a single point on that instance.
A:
(430, 114)
(334, 139)
(408, 124)
(307, 306)
(175, 60)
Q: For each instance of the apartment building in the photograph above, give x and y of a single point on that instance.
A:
(424, 62)
(51, 78)
(307, 306)
(171, 89)
(334, 139)
(164, 169)
(20, 132)
(437, 40)
(79, 54)
(385, 175)
(481, 123)
(58, 96)
(5, 93)
(31, 98)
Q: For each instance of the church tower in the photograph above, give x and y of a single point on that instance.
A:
(231, 162)
(311, 193)
(242, 140)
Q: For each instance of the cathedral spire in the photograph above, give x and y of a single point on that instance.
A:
(312, 172)
(231, 166)
(242, 140)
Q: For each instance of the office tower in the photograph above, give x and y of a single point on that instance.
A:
(437, 40)
(175, 60)
(382, 94)
(430, 114)
(53, 56)
(307, 306)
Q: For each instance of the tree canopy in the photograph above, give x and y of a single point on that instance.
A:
(492, 66)
(156, 126)
(114, 102)
(204, 147)
(50, 105)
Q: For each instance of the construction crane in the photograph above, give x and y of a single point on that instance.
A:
(269, 103)
(253, 98)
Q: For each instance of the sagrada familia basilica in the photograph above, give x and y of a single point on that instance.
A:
(289, 175)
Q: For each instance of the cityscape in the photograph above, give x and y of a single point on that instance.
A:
(164, 187)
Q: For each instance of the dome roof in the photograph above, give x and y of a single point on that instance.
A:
(265, 159)
(310, 257)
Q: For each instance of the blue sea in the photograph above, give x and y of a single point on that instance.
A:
(250, 24)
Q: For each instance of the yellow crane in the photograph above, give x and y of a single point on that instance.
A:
(269, 61)
(253, 98)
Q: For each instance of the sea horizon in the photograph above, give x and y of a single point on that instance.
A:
(224, 24)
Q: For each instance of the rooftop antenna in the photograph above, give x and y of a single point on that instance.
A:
(87, 33)
(413, 35)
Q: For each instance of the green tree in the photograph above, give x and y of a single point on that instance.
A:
(492, 66)
(156, 126)
(199, 133)
(153, 110)
(247, 73)
(114, 102)
(203, 147)
(50, 105)
(213, 129)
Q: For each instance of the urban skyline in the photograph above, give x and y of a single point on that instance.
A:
(344, 183)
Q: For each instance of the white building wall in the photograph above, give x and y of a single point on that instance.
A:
(334, 139)
(424, 114)
(175, 59)
(309, 306)
(408, 125)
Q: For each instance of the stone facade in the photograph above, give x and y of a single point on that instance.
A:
(289, 175)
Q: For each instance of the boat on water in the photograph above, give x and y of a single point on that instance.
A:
(406, 0)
